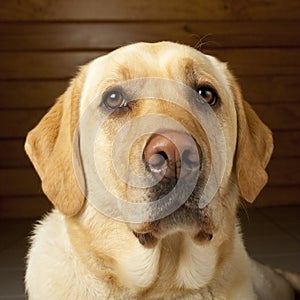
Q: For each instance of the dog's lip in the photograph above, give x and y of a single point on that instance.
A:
(150, 239)
(146, 239)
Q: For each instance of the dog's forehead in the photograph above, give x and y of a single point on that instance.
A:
(152, 58)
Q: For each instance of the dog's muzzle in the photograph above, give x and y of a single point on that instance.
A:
(172, 157)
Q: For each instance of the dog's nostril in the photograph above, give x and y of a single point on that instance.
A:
(163, 157)
(190, 159)
(186, 157)
(158, 161)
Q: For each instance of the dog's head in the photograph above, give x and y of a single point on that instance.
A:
(157, 136)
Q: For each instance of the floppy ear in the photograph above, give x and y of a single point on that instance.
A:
(50, 147)
(254, 150)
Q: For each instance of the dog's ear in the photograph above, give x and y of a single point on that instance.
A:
(50, 147)
(254, 149)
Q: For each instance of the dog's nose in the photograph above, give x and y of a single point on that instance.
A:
(172, 154)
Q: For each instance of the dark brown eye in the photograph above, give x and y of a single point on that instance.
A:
(209, 95)
(113, 100)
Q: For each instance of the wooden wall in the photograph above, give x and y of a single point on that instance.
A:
(43, 42)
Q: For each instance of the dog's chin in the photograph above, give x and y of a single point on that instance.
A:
(188, 220)
(180, 212)
(151, 238)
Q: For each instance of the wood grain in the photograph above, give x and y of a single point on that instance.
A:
(270, 89)
(30, 94)
(284, 172)
(286, 144)
(119, 10)
(12, 154)
(107, 35)
(31, 65)
(24, 207)
(278, 195)
(280, 116)
(19, 182)
(19, 122)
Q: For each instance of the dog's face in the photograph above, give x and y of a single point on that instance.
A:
(149, 137)
(153, 122)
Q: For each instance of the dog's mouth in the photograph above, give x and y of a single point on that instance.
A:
(188, 219)
(150, 240)
(199, 232)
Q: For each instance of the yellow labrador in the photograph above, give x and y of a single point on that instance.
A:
(145, 158)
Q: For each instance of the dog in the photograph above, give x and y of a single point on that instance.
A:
(145, 158)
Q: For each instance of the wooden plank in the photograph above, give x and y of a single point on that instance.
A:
(24, 207)
(273, 62)
(120, 10)
(25, 181)
(42, 94)
(278, 195)
(278, 117)
(12, 152)
(30, 94)
(98, 36)
(286, 144)
(31, 65)
(284, 172)
(19, 122)
(62, 65)
(270, 89)
(19, 182)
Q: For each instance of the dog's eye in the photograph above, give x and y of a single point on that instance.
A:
(209, 95)
(114, 99)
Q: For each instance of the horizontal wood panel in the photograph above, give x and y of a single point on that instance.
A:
(24, 207)
(98, 36)
(277, 117)
(120, 10)
(25, 181)
(270, 89)
(58, 65)
(286, 144)
(271, 62)
(12, 152)
(284, 171)
(31, 94)
(24, 65)
(18, 123)
(42, 94)
(278, 195)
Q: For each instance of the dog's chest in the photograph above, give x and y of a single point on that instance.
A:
(176, 264)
